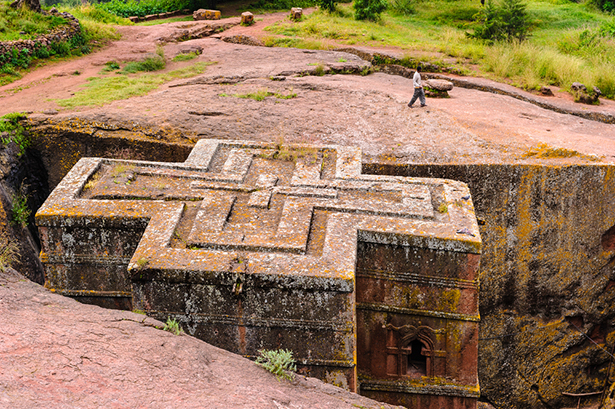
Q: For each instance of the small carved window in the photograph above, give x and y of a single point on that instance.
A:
(409, 351)
(416, 361)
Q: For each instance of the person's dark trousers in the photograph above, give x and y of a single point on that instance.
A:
(420, 94)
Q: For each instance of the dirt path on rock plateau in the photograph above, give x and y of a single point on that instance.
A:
(368, 111)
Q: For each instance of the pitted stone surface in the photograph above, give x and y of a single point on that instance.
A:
(246, 200)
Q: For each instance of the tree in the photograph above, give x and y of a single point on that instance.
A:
(506, 21)
(369, 9)
(34, 5)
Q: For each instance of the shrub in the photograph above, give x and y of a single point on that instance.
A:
(369, 9)
(281, 4)
(507, 21)
(144, 7)
(608, 6)
(328, 5)
(402, 7)
(278, 362)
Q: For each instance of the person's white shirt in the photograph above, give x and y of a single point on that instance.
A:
(417, 80)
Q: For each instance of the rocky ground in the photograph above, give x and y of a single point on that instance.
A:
(369, 111)
(56, 353)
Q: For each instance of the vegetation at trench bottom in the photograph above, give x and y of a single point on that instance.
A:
(560, 41)
(173, 326)
(279, 362)
(8, 251)
(20, 212)
(13, 130)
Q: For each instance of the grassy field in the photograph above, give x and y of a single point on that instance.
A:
(568, 41)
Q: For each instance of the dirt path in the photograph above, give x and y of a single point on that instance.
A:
(471, 126)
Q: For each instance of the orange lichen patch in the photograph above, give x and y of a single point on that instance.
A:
(544, 151)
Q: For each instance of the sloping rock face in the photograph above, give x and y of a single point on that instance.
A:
(547, 278)
(56, 353)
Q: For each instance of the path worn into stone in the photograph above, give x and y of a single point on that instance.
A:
(58, 353)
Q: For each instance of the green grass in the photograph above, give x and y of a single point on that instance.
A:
(262, 93)
(185, 57)
(96, 25)
(568, 41)
(13, 22)
(279, 362)
(165, 20)
(20, 212)
(173, 326)
(102, 90)
(13, 130)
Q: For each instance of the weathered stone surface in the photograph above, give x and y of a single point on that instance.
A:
(296, 13)
(253, 246)
(247, 18)
(546, 278)
(243, 39)
(203, 14)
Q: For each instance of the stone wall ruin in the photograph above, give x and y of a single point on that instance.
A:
(370, 280)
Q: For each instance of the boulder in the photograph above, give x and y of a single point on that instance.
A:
(583, 95)
(247, 18)
(439, 85)
(202, 14)
(438, 88)
(546, 91)
(296, 13)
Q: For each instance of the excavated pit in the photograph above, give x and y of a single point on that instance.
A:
(547, 271)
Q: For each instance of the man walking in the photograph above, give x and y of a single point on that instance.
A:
(418, 88)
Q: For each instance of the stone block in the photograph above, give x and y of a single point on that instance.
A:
(296, 13)
(247, 18)
(250, 246)
(203, 14)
